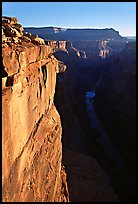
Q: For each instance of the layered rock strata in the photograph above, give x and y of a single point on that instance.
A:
(32, 167)
(66, 46)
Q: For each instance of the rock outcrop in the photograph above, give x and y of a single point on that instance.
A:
(13, 32)
(104, 49)
(96, 49)
(66, 46)
(56, 45)
(32, 167)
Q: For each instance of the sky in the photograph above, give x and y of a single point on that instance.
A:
(118, 15)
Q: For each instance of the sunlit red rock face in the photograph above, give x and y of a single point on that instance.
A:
(31, 128)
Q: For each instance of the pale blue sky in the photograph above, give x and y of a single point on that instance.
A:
(118, 15)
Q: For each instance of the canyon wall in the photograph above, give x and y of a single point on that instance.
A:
(92, 50)
(87, 181)
(95, 49)
(117, 95)
(116, 101)
(32, 167)
(67, 47)
(117, 72)
(92, 42)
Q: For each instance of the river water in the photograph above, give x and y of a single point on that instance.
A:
(103, 139)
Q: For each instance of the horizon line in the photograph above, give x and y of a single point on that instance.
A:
(49, 26)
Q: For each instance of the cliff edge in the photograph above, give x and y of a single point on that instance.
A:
(32, 167)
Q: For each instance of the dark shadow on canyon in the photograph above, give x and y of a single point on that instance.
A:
(79, 139)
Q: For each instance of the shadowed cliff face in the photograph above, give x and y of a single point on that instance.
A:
(31, 128)
(116, 101)
(87, 181)
(80, 77)
(96, 48)
(120, 99)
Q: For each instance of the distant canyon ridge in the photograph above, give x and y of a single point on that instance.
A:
(55, 33)
(98, 42)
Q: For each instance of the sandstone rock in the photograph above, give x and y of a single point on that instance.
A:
(10, 60)
(56, 45)
(18, 27)
(33, 37)
(12, 32)
(9, 40)
(10, 27)
(9, 20)
(27, 34)
(5, 21)
(3, 33)
(4, 38)
(16, 40)
(62, 66)
(31, 125)
(38, 41)
(26, 39)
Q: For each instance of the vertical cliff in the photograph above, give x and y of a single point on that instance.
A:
(32, 167)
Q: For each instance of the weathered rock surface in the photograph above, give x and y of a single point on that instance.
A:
(10, 28)
(31, 128)
(56, 44)
(96, 49)
(67, 47)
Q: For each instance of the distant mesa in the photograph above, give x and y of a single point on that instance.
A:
(55, 33)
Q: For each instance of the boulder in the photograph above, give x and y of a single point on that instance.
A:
(25, 38)
(38, 41)
(4, 38)
(34, 36)
(18, 27)
(27, 34)
(12, 32)
(61, 66)
(16, 40)
(5, 21)
(9, 20)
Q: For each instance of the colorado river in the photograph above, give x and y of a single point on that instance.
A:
(103, 139)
